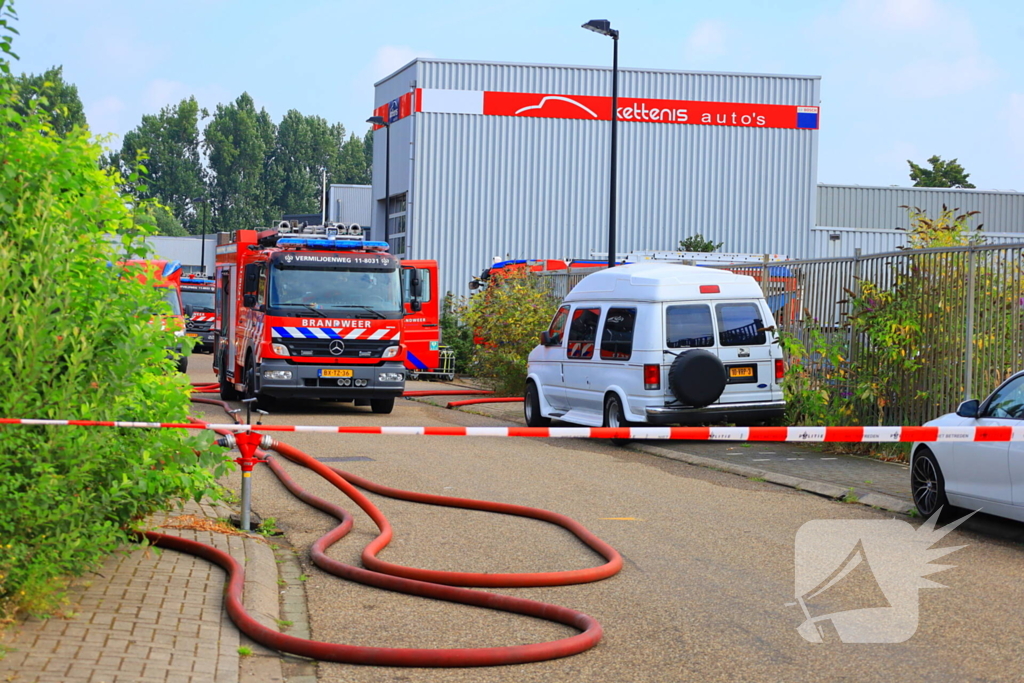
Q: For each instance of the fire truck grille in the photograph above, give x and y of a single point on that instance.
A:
(194, 326)
(354, 348)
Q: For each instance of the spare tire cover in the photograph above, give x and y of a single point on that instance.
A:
(697, 377)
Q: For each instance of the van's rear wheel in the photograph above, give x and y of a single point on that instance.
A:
(615, 417)
(531, 407)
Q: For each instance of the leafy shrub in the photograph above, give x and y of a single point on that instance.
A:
(80, 341)
(699, 243)
(454, 332)
(508, 317)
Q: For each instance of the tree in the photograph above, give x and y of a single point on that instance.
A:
(698, 243)
(306, 148)
(58, 98)
(942, 174)
(170, 142)
(368, 150)
(353, 170)
(240, 144)
(158, 215)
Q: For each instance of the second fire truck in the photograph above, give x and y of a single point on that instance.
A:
(311, 312)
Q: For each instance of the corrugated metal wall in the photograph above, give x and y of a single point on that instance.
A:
(351, 204)
(851, 206)
(824, 242)
(486, 186)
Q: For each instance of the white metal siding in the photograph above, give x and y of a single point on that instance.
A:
(487, 186)
(351, 204)
(851, 206)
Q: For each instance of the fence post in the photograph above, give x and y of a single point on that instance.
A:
(764, 276)
(858, 274)
(969, 328)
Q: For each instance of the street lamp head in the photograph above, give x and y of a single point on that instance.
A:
(602, 26)
(377, 121)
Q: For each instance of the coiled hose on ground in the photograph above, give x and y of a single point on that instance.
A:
(439, 585)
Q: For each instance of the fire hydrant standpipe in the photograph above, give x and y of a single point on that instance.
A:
(393, 577)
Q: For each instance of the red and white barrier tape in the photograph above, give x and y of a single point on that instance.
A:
(807, 434)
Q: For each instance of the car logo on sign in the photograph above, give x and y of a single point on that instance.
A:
(336, 347)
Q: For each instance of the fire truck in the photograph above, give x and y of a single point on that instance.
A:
(424, 354)
(311, 311)
(197, 294)
(165, 276)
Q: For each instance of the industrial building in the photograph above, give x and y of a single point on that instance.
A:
(512, 161)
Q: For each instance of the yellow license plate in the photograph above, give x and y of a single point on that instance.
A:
(741, 372)
(335, 373)
(191, 334)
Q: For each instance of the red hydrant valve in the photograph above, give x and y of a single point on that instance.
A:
(247, 443)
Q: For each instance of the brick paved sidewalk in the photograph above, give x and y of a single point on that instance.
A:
(865, 480)
(146, 617)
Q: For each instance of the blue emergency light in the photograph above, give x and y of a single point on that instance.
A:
(331, 245)
(171, 268)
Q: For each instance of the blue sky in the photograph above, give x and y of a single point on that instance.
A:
(901, 79)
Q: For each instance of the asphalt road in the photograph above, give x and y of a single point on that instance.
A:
(706, 592)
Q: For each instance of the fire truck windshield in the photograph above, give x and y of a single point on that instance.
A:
(171, 297)
(357, 292)
(200, 301)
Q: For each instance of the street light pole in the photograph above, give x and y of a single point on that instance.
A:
(379, 121)
(604, 27)
(202, 249)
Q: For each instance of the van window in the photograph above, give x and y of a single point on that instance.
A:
(617, 337)
(689, 326)
(557, 327)
(583, 332)
(740, 324)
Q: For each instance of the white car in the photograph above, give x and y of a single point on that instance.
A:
(977, 475)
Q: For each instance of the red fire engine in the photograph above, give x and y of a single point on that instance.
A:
(311, 312)
(165, 276)
(424, 354)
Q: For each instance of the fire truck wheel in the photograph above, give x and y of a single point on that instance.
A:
(414, 376)
(382, 406)
(182, 364)
(227, 389)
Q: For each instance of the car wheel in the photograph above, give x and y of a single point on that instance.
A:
(382, 406)
(250, 379)
(182, 364)
(531, 407)
(927, 484)
(227, 389)
(615, 417)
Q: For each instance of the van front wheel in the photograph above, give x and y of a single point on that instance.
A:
(531, 408)
(614, 417)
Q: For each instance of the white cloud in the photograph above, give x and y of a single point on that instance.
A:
(159, 93)
(937, 77)
(706, 41)
(105, 116)
(899, 15)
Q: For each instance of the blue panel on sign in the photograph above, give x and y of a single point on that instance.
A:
(806, 120)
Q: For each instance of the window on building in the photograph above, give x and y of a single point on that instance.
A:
(617, 337)
(583, 332)
(395, 231)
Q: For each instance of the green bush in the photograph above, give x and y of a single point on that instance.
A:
(508, 317)
(80, 341)
(455, 334)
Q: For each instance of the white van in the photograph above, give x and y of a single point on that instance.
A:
(658, 343)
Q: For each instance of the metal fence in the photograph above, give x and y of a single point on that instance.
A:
(900, 337)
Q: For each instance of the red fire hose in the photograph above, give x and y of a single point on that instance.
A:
(389, 576)
(474, 401)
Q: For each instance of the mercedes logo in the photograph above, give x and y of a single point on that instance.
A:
(336, 347)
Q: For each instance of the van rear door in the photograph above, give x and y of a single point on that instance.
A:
(744, 345)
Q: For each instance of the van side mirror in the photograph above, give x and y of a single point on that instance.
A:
(968, 408)
(545, 338)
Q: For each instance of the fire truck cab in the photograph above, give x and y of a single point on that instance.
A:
(310, 312)
(165, 277)
(197, 294)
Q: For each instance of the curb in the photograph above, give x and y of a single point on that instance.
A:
(832, 491)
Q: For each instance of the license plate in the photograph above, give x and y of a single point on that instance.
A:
(191, 334)
(741, 372)
(335, 373)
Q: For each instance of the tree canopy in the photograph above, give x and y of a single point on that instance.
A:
(942, 174)
(54, 96)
